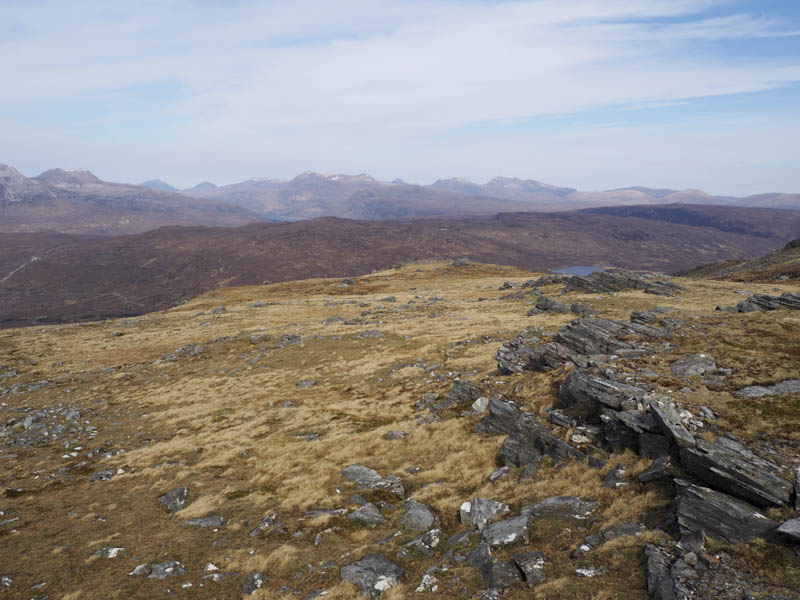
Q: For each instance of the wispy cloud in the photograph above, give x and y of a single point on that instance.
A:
(197, 89)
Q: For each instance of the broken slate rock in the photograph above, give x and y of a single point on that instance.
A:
(498, 474)
(530, 441)
(730, 467)
(419, 517)
(616, 477)
(481, 511)
(501, 417)
(366, 478)
(582, 394)
(373, 575)
(659, 470)
(791, 529)
(368, 514)
(175, 500)
(606, 535)
(719, 515)
(507, 532)
(669, 421)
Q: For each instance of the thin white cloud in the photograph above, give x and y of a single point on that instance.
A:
(274, 88)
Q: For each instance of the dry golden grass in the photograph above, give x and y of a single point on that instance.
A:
(215, 422)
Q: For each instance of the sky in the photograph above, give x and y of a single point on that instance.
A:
(593, 94)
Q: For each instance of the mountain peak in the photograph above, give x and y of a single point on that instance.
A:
(70, 177)
(158, 185)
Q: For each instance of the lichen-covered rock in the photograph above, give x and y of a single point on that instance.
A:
(175, 500)
(507, 532)
(366, 478)
(481, 511)
(693, 364)
(373, 575)
(669, 421)
(419, 517)
(368, 514)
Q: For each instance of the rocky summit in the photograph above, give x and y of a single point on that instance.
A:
(436, 430)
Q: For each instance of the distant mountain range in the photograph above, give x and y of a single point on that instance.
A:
(313, 194)
(76, 201)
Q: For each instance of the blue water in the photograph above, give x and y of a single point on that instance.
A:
(578, 270)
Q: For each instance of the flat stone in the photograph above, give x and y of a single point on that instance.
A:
(562, 507)
(790, 386)
(507, 532)
(498, 474)
(368, 514)
(373, 575)
(532, 565)
(366, 478)
(210, 521)
(606, 535)
(659, 470)
(481, 511)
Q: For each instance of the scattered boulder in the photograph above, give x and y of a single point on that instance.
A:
(653, 316)
(461, 262)
(498, 574)
(368, 514)
(175, 500)
(394, 434)
(562, 507)
(616, 477)
(549, 305)
(166, 569)
(366, 478)
(102, 475)
(305, 383)
(419, 517)
(268, 525)
(210, 521)
(481, 511)
(719, 515)
(765, 302)
(502, 416)
(373, 575)
(790, 386)
(660, 584)
(605, 282)
(693, 364)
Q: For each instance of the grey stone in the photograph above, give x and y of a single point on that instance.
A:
(462, 392)
(797, 488)
(373, 575)
(166, 569)
(111, 552)
(394, 434)
(719, 515)
(461, 262)
(419, 517)
(507, 532)
(372, 334)
(653, 445)
(649, 317)
(790, 386)
(548, 304)
(616, 477)
(210, 521)
(659, 470)
(730, 467)
(102, 475)
(498, 574)
(305, 383)
(582, 393)
(425, 543)
(606, 535)
(562, 507)
(268, 525)
(175, 500)
(367, 514)
(530, 441)
(767, 302)
(366, 478)
(498, 474)
(693, 364)
(669, 421)
(660, 585)
(532, 565)
(480, 405)
(595, 335)
(481, 511)
(501, 417)
(529, 472)
(791, 529)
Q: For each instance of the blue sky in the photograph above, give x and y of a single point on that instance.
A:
(594, 94)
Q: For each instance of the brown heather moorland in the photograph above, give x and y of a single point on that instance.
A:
(230, 422)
